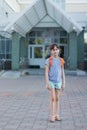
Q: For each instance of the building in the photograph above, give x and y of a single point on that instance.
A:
(28, 28)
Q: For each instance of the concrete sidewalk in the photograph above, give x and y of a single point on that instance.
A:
(24, 104)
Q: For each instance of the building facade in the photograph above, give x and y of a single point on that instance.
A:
(26, 37)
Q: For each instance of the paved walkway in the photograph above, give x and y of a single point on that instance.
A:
(24, 104)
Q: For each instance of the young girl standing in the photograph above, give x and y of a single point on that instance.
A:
(55, 80)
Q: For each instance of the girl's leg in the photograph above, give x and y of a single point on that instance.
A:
(52, 104)
(57, 106)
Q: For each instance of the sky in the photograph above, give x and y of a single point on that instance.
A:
(76, 1)
(67, 1)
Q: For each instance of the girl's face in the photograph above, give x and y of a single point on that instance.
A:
(56, 51)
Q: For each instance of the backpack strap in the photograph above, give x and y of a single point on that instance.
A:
(50, 61)
(62, 61)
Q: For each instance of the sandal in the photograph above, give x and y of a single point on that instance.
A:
(57, 118)
(52, 119)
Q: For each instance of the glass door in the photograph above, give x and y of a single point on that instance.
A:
(36, 55)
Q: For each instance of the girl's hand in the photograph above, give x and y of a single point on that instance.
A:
(63, 86)
(48, 86)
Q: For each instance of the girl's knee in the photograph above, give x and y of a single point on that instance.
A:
(53, 99)
(57, 99)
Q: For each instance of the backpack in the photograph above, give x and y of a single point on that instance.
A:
(51, 61)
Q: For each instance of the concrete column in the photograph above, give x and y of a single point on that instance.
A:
(23, 52)
(80, 42)
(22, 47)
(26, 43)
(15, 51)
(73, 51)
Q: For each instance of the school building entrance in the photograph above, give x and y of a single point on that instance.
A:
(40, 25)
(39, 45)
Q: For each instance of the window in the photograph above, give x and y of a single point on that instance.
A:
(63, 37)
(63, 33)
(2, 46)
(38, 52)
(47, 36)
(30, 52)
(85, 38)
(32, 34)
(63, 40)
(5, 48)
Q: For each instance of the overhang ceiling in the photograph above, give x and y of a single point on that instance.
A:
(35, 12)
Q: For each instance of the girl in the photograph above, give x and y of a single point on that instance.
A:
(55, 80)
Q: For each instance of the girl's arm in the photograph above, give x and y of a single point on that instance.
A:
(63, 78)
(47, 77)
